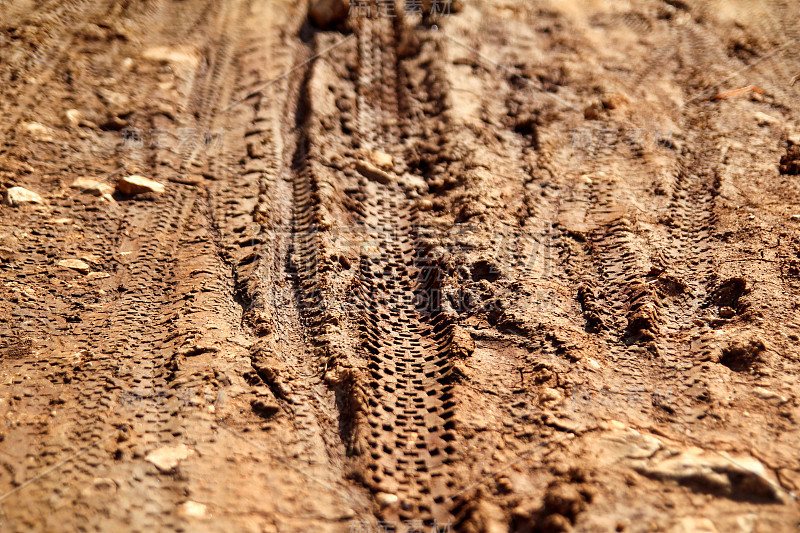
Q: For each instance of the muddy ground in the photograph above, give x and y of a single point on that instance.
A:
(524, 266)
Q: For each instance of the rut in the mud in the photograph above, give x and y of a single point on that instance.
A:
(402, 429)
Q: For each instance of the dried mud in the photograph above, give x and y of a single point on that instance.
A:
(499, 266)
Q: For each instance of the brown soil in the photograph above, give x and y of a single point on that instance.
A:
(520, 266)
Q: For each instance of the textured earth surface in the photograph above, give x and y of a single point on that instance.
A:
(488, 266)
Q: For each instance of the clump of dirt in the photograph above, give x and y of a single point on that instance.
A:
(743, 355)
(485, 270)
(729, 292)
(790, 161)
(562, 504)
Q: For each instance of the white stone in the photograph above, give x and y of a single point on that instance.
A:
(385, 499)
(373, 172)
(131, 185)
(38, 131)
(715, 470)
(382, 159)
(763, 119)
(765, 394)
(630, 445)
(169, 457)
(192, 509)
(74, 264)
(91, 186)
(74, 117)
(550, 395)
(182, 56)
(17, 196)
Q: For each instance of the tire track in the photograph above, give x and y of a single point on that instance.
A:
(397, 410)
(128, 386)
(46, 61)
(410, 398)
(266, 211)
(120, 383)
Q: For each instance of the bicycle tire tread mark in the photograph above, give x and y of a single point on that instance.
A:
(409, 438)
(397, 406)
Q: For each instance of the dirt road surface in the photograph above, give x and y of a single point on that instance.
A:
(481, 266)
